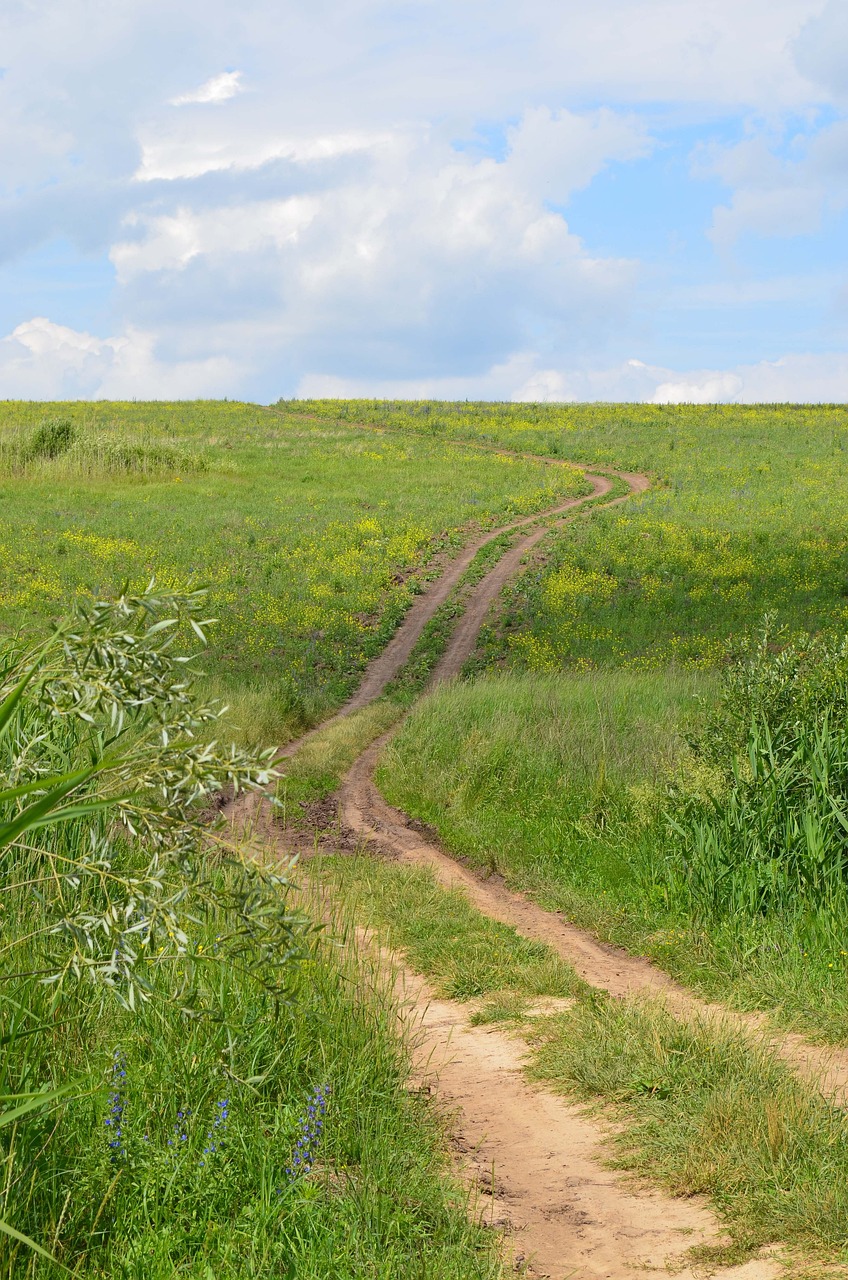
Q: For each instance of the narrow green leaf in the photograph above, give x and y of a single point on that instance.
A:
(40, 809)
(10, 702)
(41, 784)
(9, 1230)
(13, 829)
(32, 1103)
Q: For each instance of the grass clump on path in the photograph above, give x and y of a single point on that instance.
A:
(315, 771)
(700, 1110)
(464, 953)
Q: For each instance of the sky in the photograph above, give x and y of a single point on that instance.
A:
(628, 200)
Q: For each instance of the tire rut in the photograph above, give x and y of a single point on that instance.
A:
(386, 665)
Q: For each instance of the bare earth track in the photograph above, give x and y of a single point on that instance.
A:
(565, 1211)
(385, 666)
(539, 1162)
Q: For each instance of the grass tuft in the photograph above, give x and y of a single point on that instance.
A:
(702, 1110)
(463, 952)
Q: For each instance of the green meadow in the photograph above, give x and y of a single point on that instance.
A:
(650, 738)
(745, 515)
(310, 538)
(587, 772)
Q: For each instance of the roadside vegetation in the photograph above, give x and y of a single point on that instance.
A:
(193, 1081)
(704, 825)
(650, 738)
(698, 1108)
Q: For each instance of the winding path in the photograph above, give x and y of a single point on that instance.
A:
(564, 1209)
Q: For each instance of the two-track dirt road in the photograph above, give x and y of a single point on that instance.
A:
(563, 1209)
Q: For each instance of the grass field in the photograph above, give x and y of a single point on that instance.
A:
(746, 515)
(310, 538)
(604, 754)
(174, 1153)
(563, 783)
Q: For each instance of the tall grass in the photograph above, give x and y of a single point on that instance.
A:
(57, 448)
(194, 1082)
(771, 832)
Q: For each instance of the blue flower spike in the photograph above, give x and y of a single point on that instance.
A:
(311, 1126)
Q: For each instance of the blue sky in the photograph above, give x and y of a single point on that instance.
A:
(628, 200)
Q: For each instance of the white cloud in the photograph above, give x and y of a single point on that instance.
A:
(173, 240)
(821, 49)
(805, 378)
(411, 250)
(40, 360)
(327, 219)
(711, 388)
(782, 186)
(218, 89)
(169, 153)
(498, 383)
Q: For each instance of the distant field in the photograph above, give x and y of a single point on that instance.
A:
(311, 537)
(747, 514)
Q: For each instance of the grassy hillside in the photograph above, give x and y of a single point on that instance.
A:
(194, 1081)
(725, 861)
(583, 790)
(746, 514)
(311, 537)
(605, 754)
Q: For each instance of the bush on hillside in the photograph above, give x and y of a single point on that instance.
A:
(774, 832)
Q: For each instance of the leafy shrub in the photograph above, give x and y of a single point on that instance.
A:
(51, 438)
(109, 901)
(773, 833)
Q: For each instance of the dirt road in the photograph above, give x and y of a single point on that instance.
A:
(564, 1210)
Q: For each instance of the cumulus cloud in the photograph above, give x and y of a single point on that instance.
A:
(821, 49)
(814, 378)
(217, 89)
(169, 153)
(809, 378)
(393, 199)
(170, 241)
(782, 185)
(40, 360)
(417, 253)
